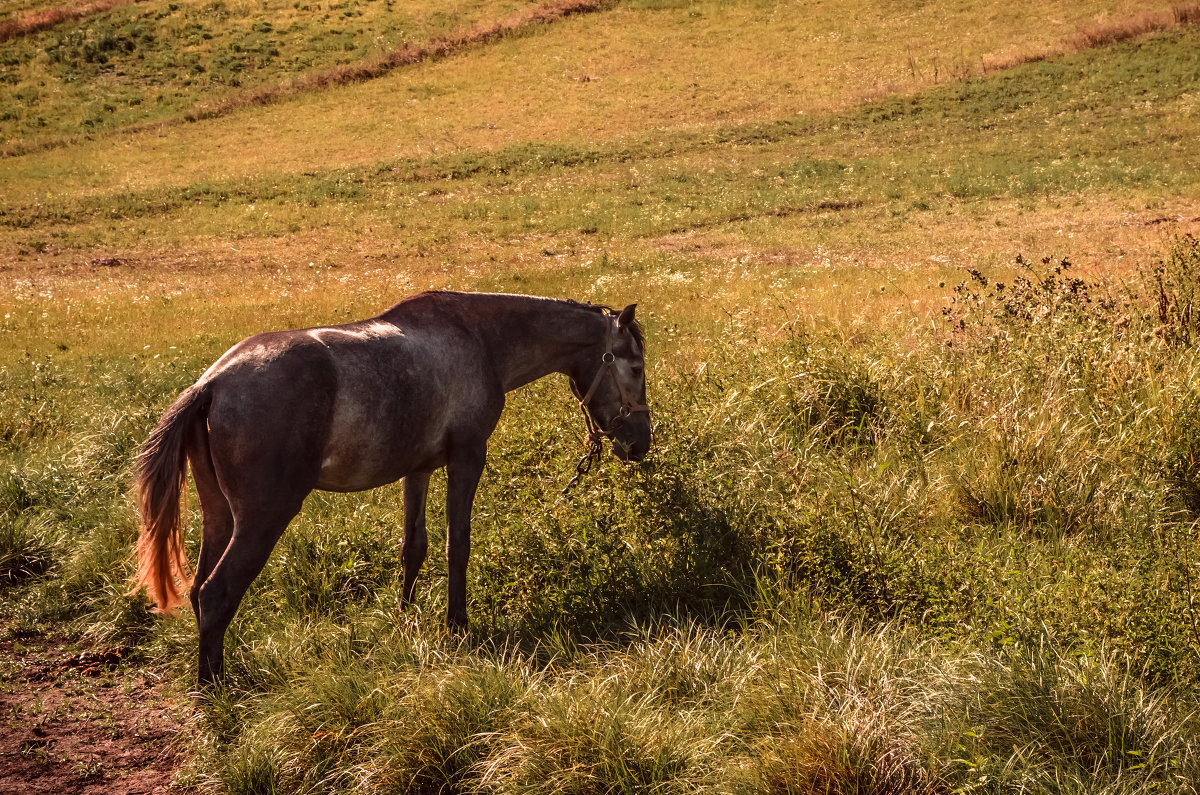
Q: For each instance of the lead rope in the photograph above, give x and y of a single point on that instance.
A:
(594, 440)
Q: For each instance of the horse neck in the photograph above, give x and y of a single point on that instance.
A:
(535, 339)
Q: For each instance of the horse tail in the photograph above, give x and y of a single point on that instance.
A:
(161, 483)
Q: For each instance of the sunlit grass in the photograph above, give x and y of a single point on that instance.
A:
(875, 548)
(871, 557)
(792, 706)
(882, 179)
(155, 60)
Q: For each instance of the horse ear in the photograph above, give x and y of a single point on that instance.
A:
(625, 319)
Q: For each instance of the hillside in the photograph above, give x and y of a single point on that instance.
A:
(921, 512)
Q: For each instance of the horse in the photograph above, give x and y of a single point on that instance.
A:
(356, 406)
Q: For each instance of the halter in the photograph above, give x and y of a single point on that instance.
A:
(596, 434)
(629, 404)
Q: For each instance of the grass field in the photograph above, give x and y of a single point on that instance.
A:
(919, 284)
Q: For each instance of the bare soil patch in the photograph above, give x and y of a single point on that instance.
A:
(83, 720)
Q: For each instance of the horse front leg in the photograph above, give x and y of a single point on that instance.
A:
(416, 544)
(462, 478)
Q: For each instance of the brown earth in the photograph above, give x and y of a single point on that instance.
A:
(83, 720)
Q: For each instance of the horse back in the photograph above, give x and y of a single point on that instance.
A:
(351, 407)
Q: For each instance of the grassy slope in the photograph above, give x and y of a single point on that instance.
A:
(156, 60)
(1064, 147)
(725, 63)
(960, 567)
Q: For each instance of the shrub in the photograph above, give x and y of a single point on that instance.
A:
(831, 392)
(1175, 286)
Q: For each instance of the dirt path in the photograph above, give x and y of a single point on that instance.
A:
(82, 721)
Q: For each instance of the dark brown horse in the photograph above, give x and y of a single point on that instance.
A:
(352, 407)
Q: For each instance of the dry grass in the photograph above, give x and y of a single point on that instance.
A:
(648, 70)
(1093, 35)
(850, 277)
(406, 55)
(1186, 15)
(1101, 33)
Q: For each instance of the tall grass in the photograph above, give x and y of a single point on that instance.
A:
(793, 705)
(918, 554)
(960, 563)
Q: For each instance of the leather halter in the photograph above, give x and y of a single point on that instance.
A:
(596, 434)
(629, 404)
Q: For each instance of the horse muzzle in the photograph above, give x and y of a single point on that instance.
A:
(631, 449)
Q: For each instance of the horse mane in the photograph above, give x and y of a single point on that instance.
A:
(639, 335)
(635, 329)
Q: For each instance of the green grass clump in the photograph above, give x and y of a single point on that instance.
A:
(793, 705)
(26, 549)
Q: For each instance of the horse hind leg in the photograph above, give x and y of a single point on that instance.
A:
(255, 534)
(254, 511)
(215, 512)
(416, 542)
(266, 430)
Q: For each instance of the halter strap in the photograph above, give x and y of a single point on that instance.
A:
(629, 404)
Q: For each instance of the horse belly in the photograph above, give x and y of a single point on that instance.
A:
(370, 446)
(340, 475)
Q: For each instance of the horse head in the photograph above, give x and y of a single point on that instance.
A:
(615, 401)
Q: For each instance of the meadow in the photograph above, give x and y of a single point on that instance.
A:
(919, 282)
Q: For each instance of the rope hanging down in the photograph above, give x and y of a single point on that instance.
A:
(585, 464)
